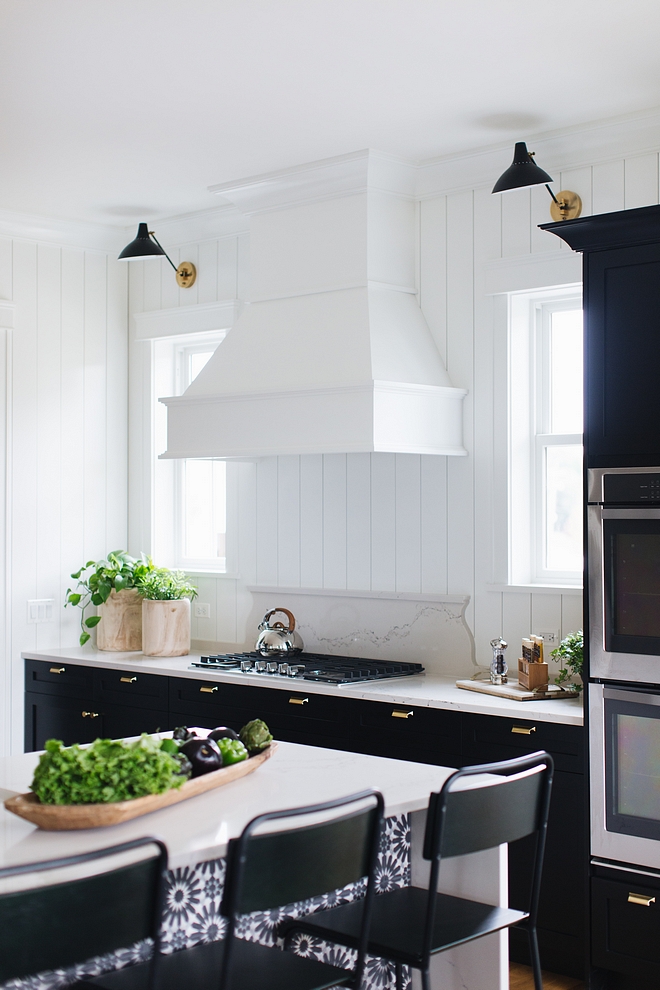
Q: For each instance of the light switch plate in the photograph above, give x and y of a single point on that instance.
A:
(202, 610)
(40, 610)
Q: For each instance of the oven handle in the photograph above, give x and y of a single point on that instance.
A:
(621, 513)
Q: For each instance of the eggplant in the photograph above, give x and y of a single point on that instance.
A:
(222, 732)
(203, 754)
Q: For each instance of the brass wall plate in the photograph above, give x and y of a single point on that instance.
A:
(568, 207)
(186, 274)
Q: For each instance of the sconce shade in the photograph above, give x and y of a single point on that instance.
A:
(142, 246)
(523, 171)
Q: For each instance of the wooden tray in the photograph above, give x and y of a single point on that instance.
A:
(64, 817)
(512, 691)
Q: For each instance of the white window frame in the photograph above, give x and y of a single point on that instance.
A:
(529, 314)
(169, 377)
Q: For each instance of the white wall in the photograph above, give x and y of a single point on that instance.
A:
(404, 523)
(63, 413)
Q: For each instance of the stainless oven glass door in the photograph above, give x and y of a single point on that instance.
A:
(624, 593)
(625, 774)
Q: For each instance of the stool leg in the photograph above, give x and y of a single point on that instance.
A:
(399, 976)
(426, 980)
(536, 958)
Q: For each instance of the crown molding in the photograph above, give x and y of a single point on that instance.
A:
(202, 225)
(66, 233)
(342, 175)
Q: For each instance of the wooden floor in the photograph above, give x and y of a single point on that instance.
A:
(520, 978)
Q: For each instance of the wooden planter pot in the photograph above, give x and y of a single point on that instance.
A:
(120, 628)
(166, 628)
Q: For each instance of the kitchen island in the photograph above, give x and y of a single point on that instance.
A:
(197, 832)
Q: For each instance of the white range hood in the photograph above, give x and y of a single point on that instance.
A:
(332, 353)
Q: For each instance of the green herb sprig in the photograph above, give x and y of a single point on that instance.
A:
(162, 584)
(570, 654)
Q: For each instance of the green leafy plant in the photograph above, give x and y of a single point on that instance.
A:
(570, 654)
(163, 585)
(98, 578)
(108, 770)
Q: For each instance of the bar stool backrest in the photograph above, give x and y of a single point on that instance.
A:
(488, 815)
(285, 866)
(465, 821)
(55, 925)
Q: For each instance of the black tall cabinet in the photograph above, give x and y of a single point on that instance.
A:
(621, 272)
(621, 303)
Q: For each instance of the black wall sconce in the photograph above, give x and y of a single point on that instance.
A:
(524, 171)
(145, 245)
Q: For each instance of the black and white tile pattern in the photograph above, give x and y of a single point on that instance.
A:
(192, 915)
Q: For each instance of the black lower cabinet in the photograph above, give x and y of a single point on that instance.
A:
(562, 906)
(402, 732)
(625, 930)
(47, 716)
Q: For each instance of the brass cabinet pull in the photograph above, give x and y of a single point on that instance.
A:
(523, 730)
(209, 690)
(128, 680)
(640, 899)
(57, 670)
(91, 714)
(298, 701)
(398, 714)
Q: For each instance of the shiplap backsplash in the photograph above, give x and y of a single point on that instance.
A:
(401, 523)
(65, 410)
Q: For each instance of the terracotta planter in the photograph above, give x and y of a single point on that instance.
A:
(166, 628)
(120, 628)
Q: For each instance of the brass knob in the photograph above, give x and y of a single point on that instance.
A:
(399, 714)
(57, 670)
(523, 730)
(90, 714)
(128, 680)
(209, 690)
(298, 701)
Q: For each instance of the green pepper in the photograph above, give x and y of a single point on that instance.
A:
(233, 751)
(169, 746)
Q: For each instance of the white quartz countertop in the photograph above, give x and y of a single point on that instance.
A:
(198, 829)
(422, 690)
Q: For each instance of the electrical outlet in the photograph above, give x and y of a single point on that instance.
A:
(40, 610)
(202, 610)
(550, 638)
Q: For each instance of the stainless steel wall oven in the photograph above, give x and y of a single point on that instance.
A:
(624, 574)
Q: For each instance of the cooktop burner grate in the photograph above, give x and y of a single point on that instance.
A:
(309, 667)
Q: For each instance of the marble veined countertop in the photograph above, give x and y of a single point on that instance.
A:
(423, 690)
(199, 829)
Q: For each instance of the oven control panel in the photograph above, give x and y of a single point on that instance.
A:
(631, 489)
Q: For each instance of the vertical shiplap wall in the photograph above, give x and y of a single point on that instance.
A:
(400, 522)
(65, 430)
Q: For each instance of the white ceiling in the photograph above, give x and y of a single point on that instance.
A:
(119, 110)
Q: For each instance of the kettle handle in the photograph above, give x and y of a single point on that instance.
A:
(289, 615)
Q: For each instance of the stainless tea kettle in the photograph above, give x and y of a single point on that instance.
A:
(278, 640)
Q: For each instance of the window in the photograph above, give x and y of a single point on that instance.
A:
(190, 512)
(545, 418)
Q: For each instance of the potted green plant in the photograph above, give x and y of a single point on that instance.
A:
(166, 597)
(111, 585)
(570, 654)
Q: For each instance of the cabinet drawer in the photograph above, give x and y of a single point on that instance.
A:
(66, 680)
(261, 701)
(625, 921)
(407, 732)
(135, 690)
(505, 738)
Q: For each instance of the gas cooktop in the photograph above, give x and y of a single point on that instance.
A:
(309, 667)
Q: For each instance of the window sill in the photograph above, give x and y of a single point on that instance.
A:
(543, 589)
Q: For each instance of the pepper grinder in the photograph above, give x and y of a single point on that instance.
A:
(498, 667)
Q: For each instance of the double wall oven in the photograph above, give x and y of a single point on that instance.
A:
(624, 635)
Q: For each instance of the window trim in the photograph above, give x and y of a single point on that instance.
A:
(528, 409)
